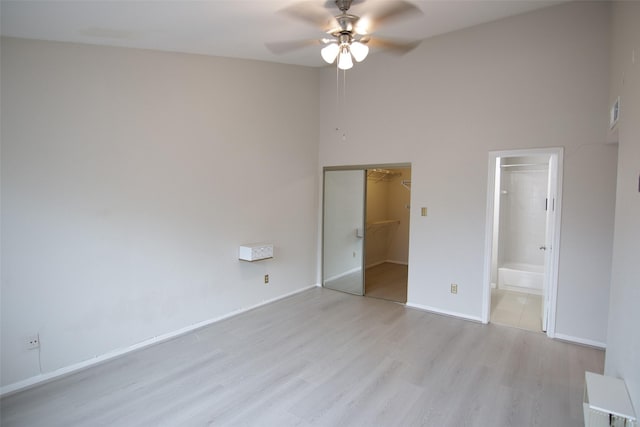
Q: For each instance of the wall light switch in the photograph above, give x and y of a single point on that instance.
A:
(424, 211)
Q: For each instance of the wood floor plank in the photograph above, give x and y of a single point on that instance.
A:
(323, 358)
(387, 281)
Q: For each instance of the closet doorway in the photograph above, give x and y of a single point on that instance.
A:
(366, 213)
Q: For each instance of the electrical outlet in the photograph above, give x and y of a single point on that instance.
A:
(33, 342)
(266, 278)
(454, 288)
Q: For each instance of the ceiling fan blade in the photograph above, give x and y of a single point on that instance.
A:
(394, 46)
(386, 14)
(289, 46)
(313, 14)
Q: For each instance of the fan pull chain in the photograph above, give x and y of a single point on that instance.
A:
(344, 89)
(344, 102)
(337, 88)
(339, 97)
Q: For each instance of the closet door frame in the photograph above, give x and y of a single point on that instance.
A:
(362, 168)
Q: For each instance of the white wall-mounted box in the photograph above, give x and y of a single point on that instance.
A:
(255, 251)
(606, 402)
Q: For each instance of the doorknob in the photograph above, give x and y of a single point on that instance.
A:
(543, 248)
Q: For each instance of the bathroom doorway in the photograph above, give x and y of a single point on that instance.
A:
(366, 230)
(522, 238)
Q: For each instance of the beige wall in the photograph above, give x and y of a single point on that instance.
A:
(387, 200)
(378, 236)
(399, 199)
(623, 340)
(130, 178)
(534, 80)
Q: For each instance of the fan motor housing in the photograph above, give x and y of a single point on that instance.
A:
(347, 24)
(343, 5)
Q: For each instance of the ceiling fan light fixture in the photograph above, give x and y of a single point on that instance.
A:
(330, 52)
(344, 59)
(359, 51)
(347, 36)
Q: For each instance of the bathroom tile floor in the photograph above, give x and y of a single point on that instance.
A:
(517, 309)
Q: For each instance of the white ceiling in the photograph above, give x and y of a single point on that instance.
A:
(232, 28)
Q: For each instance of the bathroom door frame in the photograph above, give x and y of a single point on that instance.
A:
(551, 270)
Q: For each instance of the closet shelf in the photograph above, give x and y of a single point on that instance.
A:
(382, 175)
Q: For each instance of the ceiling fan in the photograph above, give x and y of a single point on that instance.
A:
(349, 36)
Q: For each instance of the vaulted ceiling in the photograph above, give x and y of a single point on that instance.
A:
(231, 28)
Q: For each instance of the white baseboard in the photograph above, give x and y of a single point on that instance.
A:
(374, 264)
(42, 378)
(581, 341)
(444, 312)
(345, 273)
(521, 289)
(390, 261)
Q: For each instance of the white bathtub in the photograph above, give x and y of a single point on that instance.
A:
(521, 277)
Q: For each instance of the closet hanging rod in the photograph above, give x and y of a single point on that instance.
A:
(382, 174)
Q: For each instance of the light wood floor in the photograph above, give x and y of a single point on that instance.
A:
(387, 281)
(330, 359)
(350, 283)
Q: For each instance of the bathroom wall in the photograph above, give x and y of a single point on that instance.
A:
(522, 210)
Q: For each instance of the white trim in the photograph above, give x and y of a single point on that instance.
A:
(558, 153)
(488, 242)
(444, 312)
(67, 370)
(582, 341)
(555, 259)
